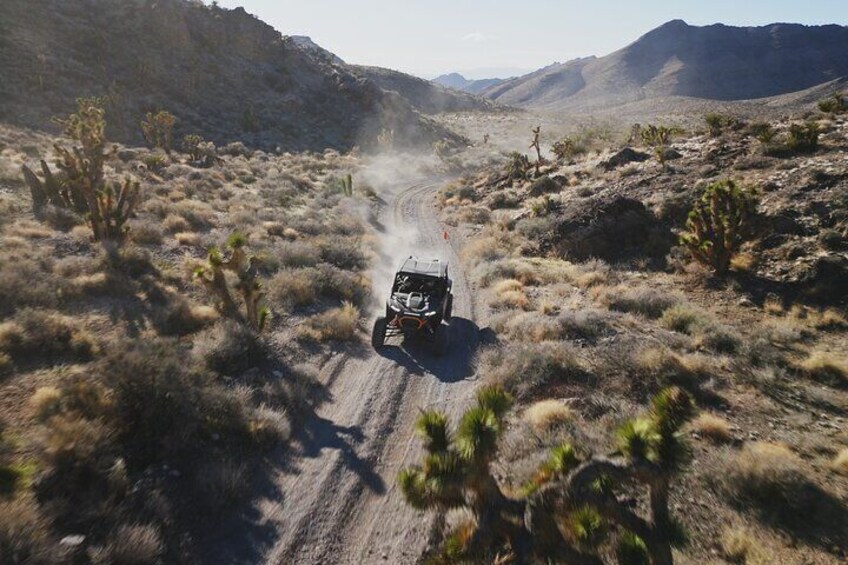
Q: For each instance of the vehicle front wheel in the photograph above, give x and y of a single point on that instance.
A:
(378, 334)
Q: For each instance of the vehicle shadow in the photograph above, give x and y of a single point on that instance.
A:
(420, 357)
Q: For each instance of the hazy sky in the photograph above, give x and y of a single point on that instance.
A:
(430, 37)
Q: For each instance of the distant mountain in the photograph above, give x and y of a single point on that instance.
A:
(459, 82)
(715, 62)
(223, 73)
(424, 95)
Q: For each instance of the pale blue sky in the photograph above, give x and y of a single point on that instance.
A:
(429, 37)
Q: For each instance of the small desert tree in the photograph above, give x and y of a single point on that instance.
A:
(158, 130)
(584, 494)
(658, 138)
(81, 184)
(720, 222)
(803, 138)
(247, 284)
(535, 145)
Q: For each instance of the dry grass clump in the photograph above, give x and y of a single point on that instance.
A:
(344, 254)
(46, 336)
(547, 414)
(337, 324)
(659, 367)
(712, 427)
(25, 534)
(774, 480)
(293, 287)
(189, 239)
(591, 273)
(840, 462)
(528, 326)
(684, 318)
(178, 316)
(585, 323)
(827, 368)
(175, 224)
(28, 281)
(526, 369)
(741, 545)
(230, 348)
(145, 233)
(298, 254)
(645, 301)
(509, 294)
(135, 544)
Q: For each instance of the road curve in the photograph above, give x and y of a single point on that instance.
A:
(335, 499)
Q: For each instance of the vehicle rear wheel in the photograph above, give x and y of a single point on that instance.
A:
(449, 308)
(378, 334)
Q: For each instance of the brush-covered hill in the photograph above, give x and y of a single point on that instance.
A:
(715, 62)
(225, 74)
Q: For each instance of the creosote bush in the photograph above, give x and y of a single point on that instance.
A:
(720, 222)
(583, 493)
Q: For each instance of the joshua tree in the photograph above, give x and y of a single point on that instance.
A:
(719, 223)
(584, 494)
(213, 277)
(81, 185)
(158, 130)
(517, 166)
(535, 145)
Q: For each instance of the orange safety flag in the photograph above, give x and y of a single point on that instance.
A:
(445, 235)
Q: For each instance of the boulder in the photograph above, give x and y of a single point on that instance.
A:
(610, 227)
(623, 157)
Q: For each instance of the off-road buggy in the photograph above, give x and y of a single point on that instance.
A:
(420, 300)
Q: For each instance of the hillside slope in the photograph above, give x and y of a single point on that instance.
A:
(714, 62)
(223, 73)
(472, 86)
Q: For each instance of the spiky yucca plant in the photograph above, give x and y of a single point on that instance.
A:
(158, 129)
(81, 185)
(720, 222)
(213, 276)
(572, 504)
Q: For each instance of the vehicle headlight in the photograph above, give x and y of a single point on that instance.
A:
(430, 314)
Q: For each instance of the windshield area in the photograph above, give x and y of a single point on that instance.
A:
(409, 283)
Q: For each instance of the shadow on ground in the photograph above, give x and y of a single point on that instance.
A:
(420, 357)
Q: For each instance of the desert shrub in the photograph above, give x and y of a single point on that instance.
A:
(657, 367)
(293, 287)
(803, 138)
(174, 224)
(526, 369)
(25, 534)
(474, 215)
(177, 316)
(547, 414)
(535, 228)
(136, 544)
(764, 132)
(337, 324)
(509, 293)
(585, 323)
(158, 130)
(503, 199)
(720, 222)
(645, 301)
(230, 348)
(236, 149)
(145, 233)
(831, 239)
(773, 478)
(684, 318)
(191, 145)
(834, 104)
(827, 368)
(718, 123)
(154, 162)
(297, 254)
(47, 336)
(741, 545)
(528, 326)
(343, 254)
(61, 218)
(712, 427)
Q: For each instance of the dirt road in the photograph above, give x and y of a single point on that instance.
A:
(336, 500)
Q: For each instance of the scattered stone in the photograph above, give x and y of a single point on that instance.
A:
(623, 157)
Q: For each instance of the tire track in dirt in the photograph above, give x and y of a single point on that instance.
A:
(335, 500)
